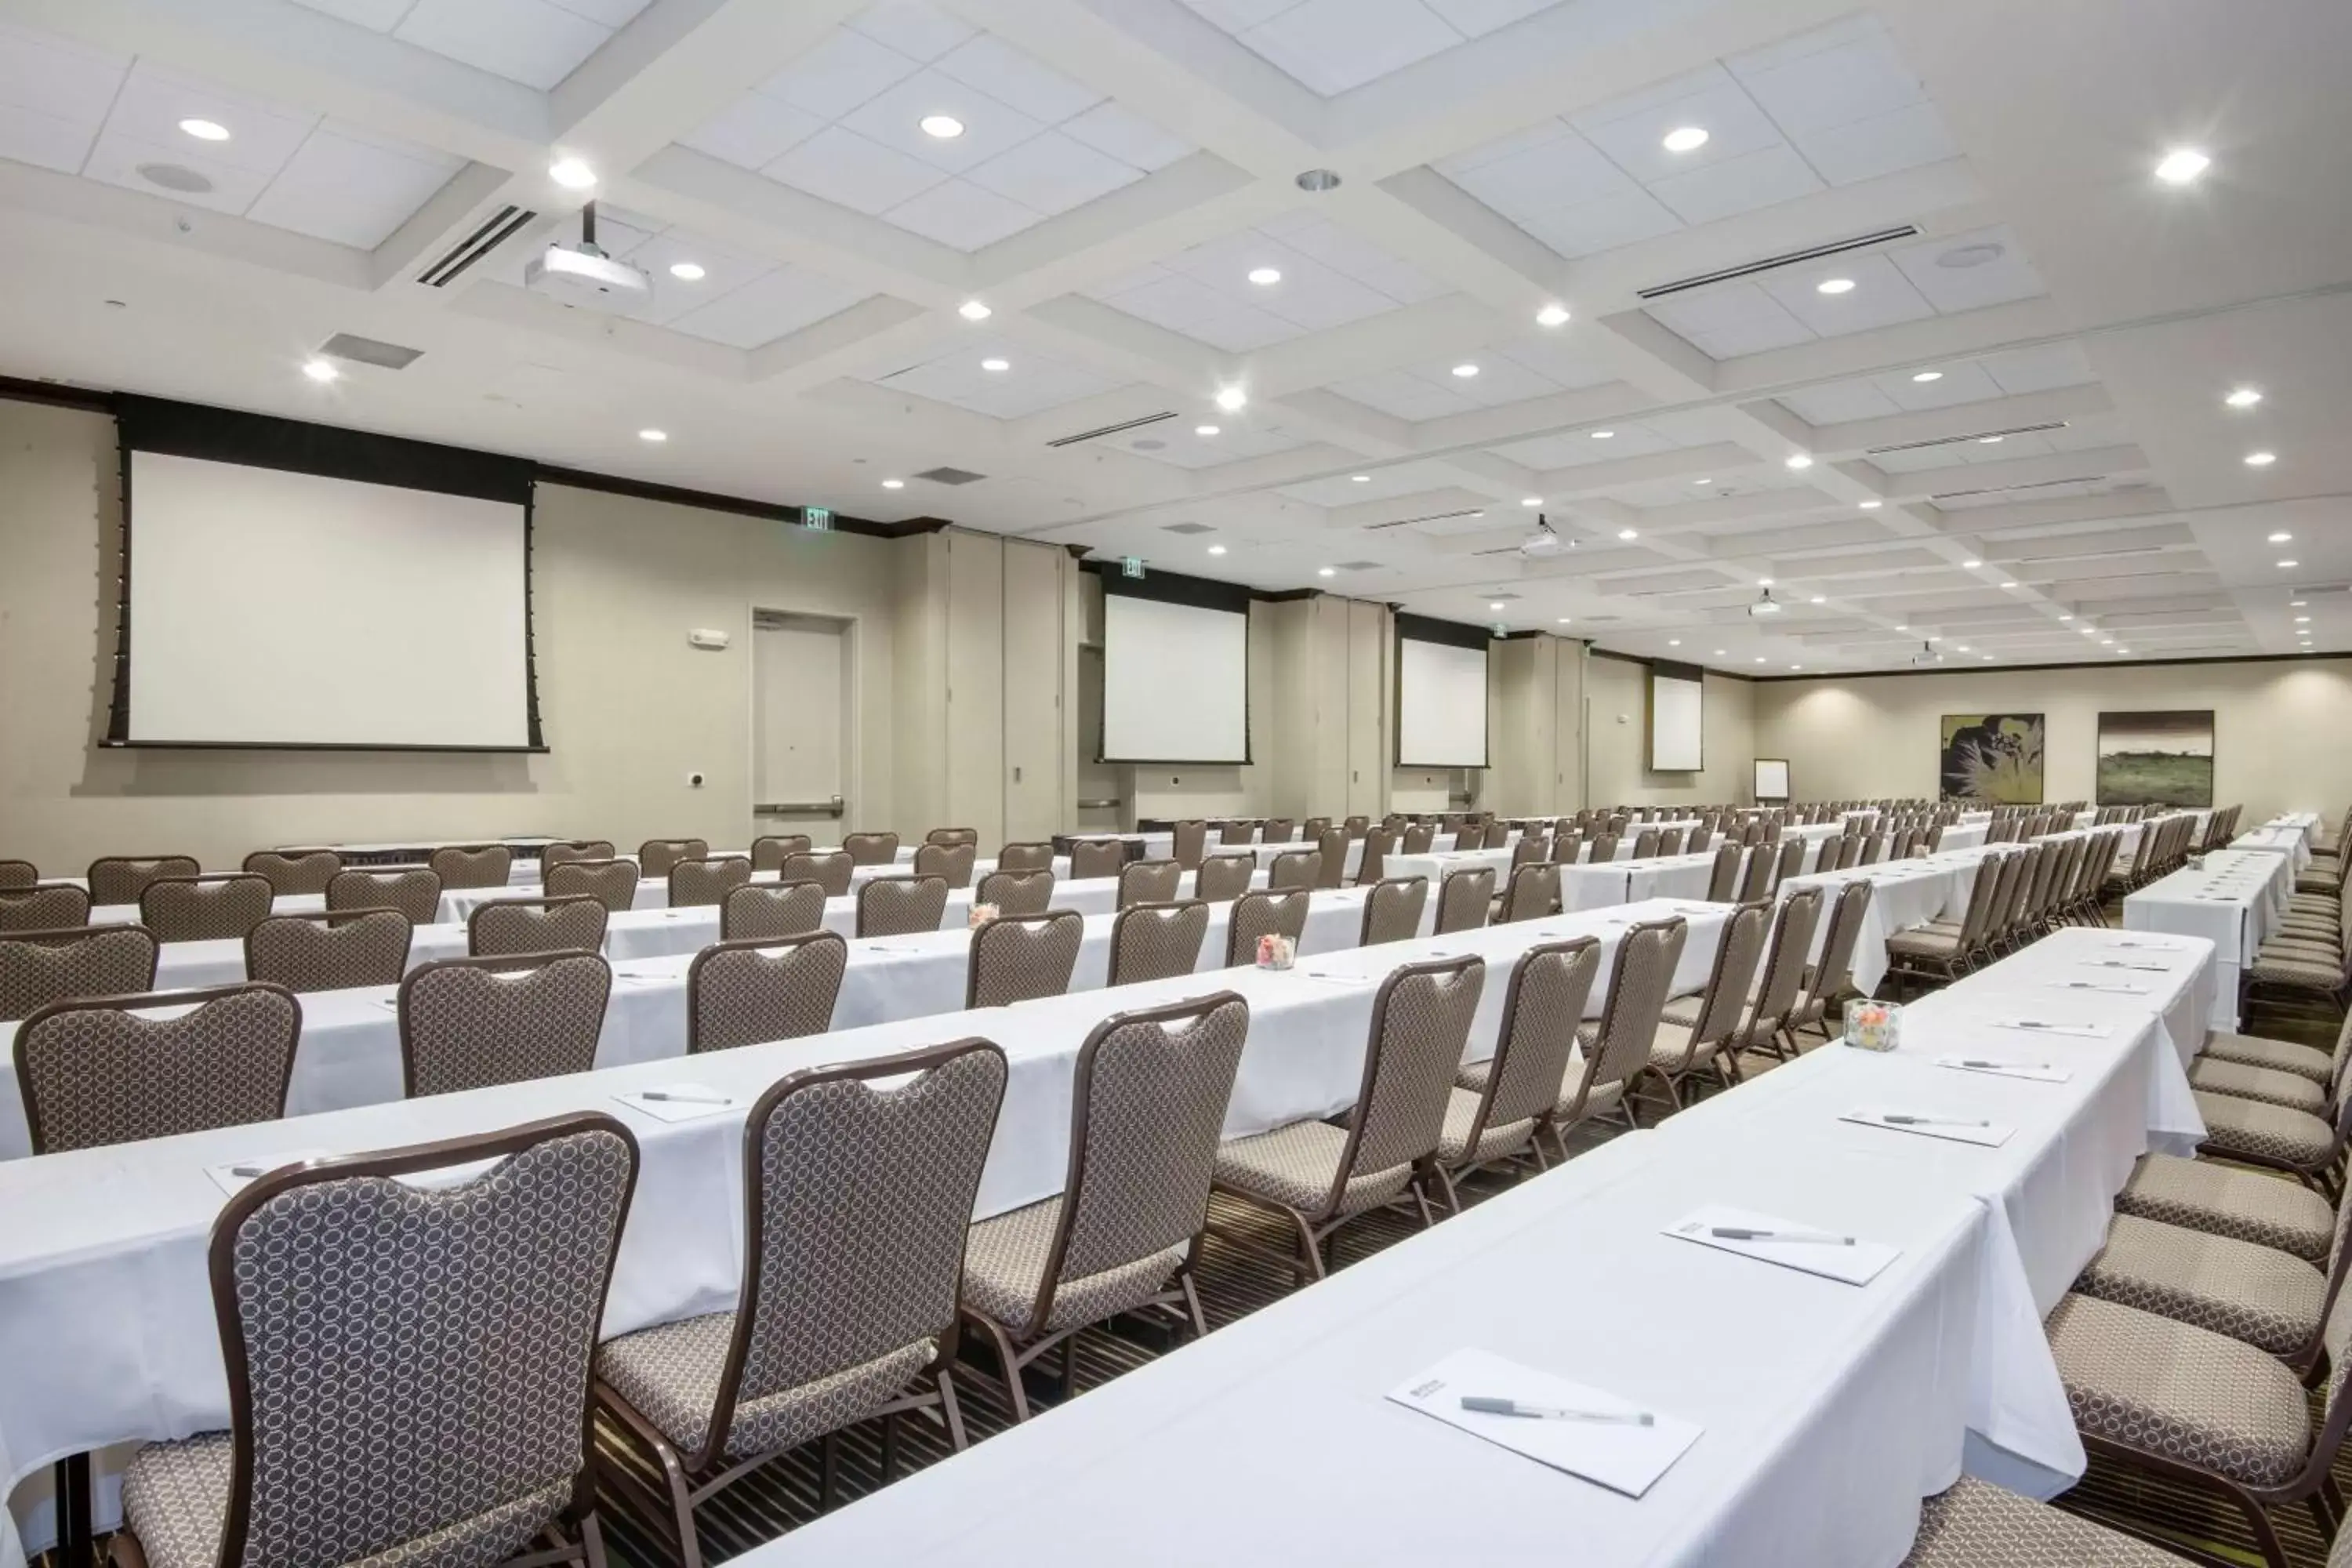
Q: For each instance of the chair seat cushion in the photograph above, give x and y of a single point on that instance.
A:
(2272, 1087)
(175, 1500)
(670, 1375)
(1924, 941)
(1672, 1045)
(2182, 1393)
(1685, 1010)
(1005, 1263)
(2243, 1127)
(2265, 1298)
(2278, 1056)
(1295, 1165)
(2285, 967)
(1977, 1525)
(2223, 1201)
(1453, 1140)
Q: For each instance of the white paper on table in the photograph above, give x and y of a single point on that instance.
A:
(639, 977)
(2051, 1026)
(233, 1178)
(2147, 943)
(1625, 1458)
(2116, 987)
(1957, 1129)
(1857, 1263)
(2039, 1071)
(2120, 963)
(707, 1102)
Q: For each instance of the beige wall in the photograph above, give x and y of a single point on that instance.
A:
(1618, 740)
(2279, 728)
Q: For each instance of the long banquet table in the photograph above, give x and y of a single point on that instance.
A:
(2235, 900)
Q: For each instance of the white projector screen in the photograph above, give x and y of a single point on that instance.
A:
(1441, 705)
(1771, 778)
(1677, 730)
(1175, 682)
(275, 608)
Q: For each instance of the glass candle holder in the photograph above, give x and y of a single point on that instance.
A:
(1873, 1026)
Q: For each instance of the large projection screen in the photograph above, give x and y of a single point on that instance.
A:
(1175, 680)
(1441, 698)
(270, 608)
(1677, 732)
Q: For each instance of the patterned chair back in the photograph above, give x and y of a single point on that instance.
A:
(1224, 877)
(1230, 832)
(332, 952)
(504, 927)
(1670, 841)
(1982, 898)
(1148, 882)
(16, 874)
(1295, 868)
(120, 878)
(1332, 844)
(1313, 829)
(1191, 843)
(1258, 914)
(1025, 857)
(1604, 848)
(487, 867)
(1792, 860)
(1532, 848)
(871, 848)
(749, 992)
(829, 869)
(38, 967)
(1835, 969)
(469, 1023)
(705, 883)
(612, 883)
(768, 850)
(93, 1073)
(952, 862)
(1874, 850)
(1418, 838)
(1736, 956)
(1935, 838)
(414, 892)
(1567, 847)
(1392, 912)
(901, 906)
(1784, 965)
(1157, 941)
(1549, 987)
(1357, 826)
(1700, 838)
(1755, 881)
(767, 910)
(551, 855)
(1020, 958)
(336, 1282)
(1645, 844)
(656, 856)
(1647, 956)
(1421, 1025)
(1462, 899)
(1094, 858)
(864, 1282)
(1276, 830)
(293, 874)
(220, 908)
(1372, 864)
(1029, 892)
(953, 835)
(1533, 895)
(1724, 880)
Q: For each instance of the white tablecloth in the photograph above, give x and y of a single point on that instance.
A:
(2233, 901)
(1907, 893)
(2289, 840)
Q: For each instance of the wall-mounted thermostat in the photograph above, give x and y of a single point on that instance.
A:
(703, 636)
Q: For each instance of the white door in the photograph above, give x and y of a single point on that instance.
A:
(800, 725)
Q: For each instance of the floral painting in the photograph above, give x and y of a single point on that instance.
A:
(1993, 758)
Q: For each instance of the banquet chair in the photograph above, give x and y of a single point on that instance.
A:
(768, 850)
(1020, 958)
(1393, 911)
(390, 1401)
(1498, 835)
(1825, 983)
(1765, 1026)
(1356, 827)
(1148, 882)
(335, 949)
(1532, 849)
(38, 967)
(1318, 1176)
(291, 874)
(829, 869)
(1755, 881)
(1332, 844)
(1157, 940)
(414, 892)
(1976, 1524)
(1935, 838)
(1295, 868)
(1262, 914)
(1231, 833)
(1752, 832)
(1943, 951)
(705, 883)
(952, 836)
(92, 1072)
(18, 874)
(1843, 853)
(1670, 841)
(1094, 858)
(656, 856)
(1533, 895)
(120, 878)
(771, 910)
(845, 1306)
(1025, 857)
(504, 927)
(551, 855)
(1700, 838)
(1625, 1036)
(612, 883)
(1723, 881)
(1027, 893)
(1225, 877)
(220, 908)
(1124, 1233)
(1190, 842)
(1418, 838)
(1645, 844)
(1372, 862)
(757, 989)
(45, 906)
(1312, 830)
(1872, 851)
(1701, 1030)
(871, 848)
(1498, 1106)
(484, 867)
(1274, 830)
(952, 862)
(1791, 862)
(901, 906)
(1464, 898)
(470, 1023)
(1604, 848)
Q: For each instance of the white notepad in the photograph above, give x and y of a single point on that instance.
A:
(2053, 1026)
(706, 1102)
(1854, 1263)
(2115, 987)
(2124, 963)
(2038, 1071)
(238, 1174)
(1958, 1130)
(1623, 1458)
(2151, 942)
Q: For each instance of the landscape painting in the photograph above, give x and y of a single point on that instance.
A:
(2157, 759)
(1993, 759)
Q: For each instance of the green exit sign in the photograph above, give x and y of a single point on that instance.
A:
(817, 517)
(1131, 566)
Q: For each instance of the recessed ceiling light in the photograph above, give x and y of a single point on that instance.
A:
(2009, 584)
(2066, 617)
(2107, 642)
(1465, 369)
(1900, 628)
(1928, 375)
(1834, 286)
(1796, 666)
(2299, 620)
(1604, 434)
(1216, 550)
(205, 129)
(1763, 582)
(2122, 653)
(2089, 631)
(2244, 397)
(1326, 572)
(321, 370)
(1629, 533)
(1531, 500)
(1989, 440)
(1204, 429)
(946, 127)
(1962, 646)
(2297, 603)
(653, 435)
(1718, 653)
(2281, 537)
(686, 271)
(2289, 565)
(2182, 165)
(1266, 277)
(1674, 642)
(1496, 604)
(996, 365)
(1988, 659)
(1702, 481)
(2260, 459)
(1820, 599)
(572, 174)
(973, 310)
(1564, 620)
(1970, 565)
(1800, 462)
(1231, 399)
(1552, 316)
(1759, 658)
(1872, 505)
(1361, 478)
(1684, 139)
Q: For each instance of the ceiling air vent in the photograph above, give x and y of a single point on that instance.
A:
(1188, 528)
(1978, 436)
(1355, 566)
(1427, 516)
(2020, 489)
(368, 351)
(1774, 263)
(950, 476)
(494, 231)
(1118, 430)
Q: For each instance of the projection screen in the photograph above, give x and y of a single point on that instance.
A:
(1175, 674)
(1677, 702)
(1441, 694)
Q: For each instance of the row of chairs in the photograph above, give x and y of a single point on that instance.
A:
(2017, 896)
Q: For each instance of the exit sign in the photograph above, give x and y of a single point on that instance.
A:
(817, 517)
(1131, 566)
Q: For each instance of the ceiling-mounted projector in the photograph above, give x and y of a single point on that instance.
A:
(1766, 605)
(584, 276)
(1544, 542)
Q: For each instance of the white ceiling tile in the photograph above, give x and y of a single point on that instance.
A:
(1232, 444)
(839, 74)
(350, 188)
(770, 307)
(1959, 383)
(1888, 144)
(724, 271)
(917, 30)
(2006, 277)
(1384, 484)
(1353, 256)
(1733, 185)
(1861, 79)
(613, 15)
(1142, 277)
(1563, 359)
(962, 215)
(1881, 297)
(1476, 18)
(44, 141)
(1126, 136)
(1631, 131)
(1169, 300)
(1500, 379)
(529, 41)
(1235, 15)
(1534, 137)
(1732, 320)
(1239, 330)
(994, 67)
(57, 78)
(153, 100)
(1560, 171)
(2021, 371)
(1593, 226)
(1034, 382)
(1051, 173)
(894, 116)
(1331, 46)
(755, 132)
(1404, 395)
(1858, 27)
(378, 16)
(1840, 403)
(844, 167)
(117, 159)
(1318, 299)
